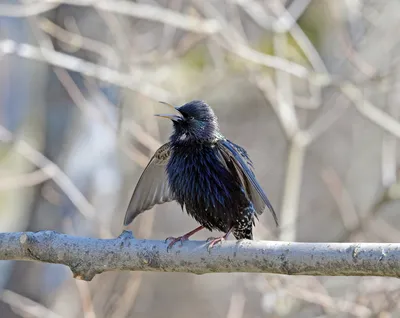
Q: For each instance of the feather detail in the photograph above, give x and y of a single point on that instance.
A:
(243, 165)
(152, 187)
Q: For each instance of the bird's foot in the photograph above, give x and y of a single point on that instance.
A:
(181, 239)
(214, 240)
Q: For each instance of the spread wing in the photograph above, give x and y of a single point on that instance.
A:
(243, 166)
(153, 187)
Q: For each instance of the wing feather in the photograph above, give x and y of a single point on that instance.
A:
(152, 187)
(243, 166)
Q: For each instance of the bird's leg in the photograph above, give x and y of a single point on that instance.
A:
(183, 237)
(214, 240)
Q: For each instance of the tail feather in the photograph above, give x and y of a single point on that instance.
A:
(240, 235)
(244, 227)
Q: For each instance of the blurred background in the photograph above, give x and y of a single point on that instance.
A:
(309, 88)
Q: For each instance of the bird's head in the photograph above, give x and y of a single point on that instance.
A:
(194, 122)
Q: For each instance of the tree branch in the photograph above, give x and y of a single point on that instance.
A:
(87, 257)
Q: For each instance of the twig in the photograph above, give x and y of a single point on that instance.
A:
(29, 179)
(87, 257)
(236, 305)
(286, 115)
(370, 111)
(338, 305)
(86, 299)
(235, 44)
(93, 112)
(291, 193)
(86, 68)
(342, 198)
(284, 89)
(53, 171)
(25, 10)
(154, 13)
(128, 8)
(21, 304)
(76, 41)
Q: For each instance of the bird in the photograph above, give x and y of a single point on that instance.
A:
(205, 173)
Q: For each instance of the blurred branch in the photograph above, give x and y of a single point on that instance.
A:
(93, 112)
(50, 169)
(292, 188)
(76, 41)
(342, 198)
(370, 111)
(324, 300)
(26, 10)
(87, 257)
(27, 179)
(86, 299)
(236, 305)
(128, 8)
(237, 45)
(26, 307)
(86, 68)
(152, 13)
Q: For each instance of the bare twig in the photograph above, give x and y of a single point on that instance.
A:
(370, 111)
(21, 304)
(128, 8)
(58, 176)
(342, 197)
(53, 171)
(236, 305)
(86, 68)
(291, 197)
(27, 179)
(86, 299)
(26, 10)
(337, 305)
(77, 41)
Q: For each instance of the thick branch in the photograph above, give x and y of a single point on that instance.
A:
(88, 256)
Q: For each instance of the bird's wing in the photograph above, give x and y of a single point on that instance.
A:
(153, 187)
(243, 166)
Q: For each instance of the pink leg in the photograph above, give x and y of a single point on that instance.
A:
(215, 240)
(183, 237)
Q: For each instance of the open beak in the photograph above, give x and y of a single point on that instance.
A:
(169, 116)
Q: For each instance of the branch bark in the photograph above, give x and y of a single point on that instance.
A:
(87, 257)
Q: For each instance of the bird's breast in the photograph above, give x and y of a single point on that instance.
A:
(198, 178)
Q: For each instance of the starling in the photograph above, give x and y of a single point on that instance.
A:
(204, 172)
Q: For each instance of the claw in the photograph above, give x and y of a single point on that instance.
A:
(214, 240)
(181, 239)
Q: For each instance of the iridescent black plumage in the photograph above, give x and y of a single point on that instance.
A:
(205, 173)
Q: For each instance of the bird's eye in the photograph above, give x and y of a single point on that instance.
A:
(186, 115)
